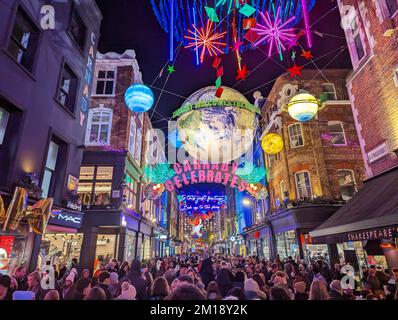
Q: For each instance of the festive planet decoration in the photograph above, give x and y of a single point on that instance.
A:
(303, 107)
(139, 98)
(272, 143)
(257, 190)
(174, 138)
(217, 130)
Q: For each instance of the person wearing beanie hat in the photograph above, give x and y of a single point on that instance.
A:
(252, 290)
(68, 290)
(114, 285)
(128, 292)
(5, 288)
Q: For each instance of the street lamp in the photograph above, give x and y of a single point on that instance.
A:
(246, 202)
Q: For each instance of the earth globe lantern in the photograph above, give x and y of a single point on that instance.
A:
(303, 107)
(139, 98)
(217, 130)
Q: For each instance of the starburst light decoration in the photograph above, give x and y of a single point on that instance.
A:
(206, 40)
(274, 31)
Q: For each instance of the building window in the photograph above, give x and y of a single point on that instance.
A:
(303, 185)
(131, 192)
(336, 131)
(356, 36)
(283, 189)
(24, 39)
(138, 144)
(329, 90)
(296, 135)
(392, 6)
(49, 170)
(99, 126)
(347, 183)
(78, 29)
(95, 185)
(68, 88)
(132, 136)
(105, 83)
(4, 115)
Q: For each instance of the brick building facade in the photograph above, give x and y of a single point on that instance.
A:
(318, 156)
(372, 37)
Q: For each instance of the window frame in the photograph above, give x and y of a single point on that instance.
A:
(329, 92)
(297, 186)
(97, 79)
(91, 113)
(5, 116)
(71, 109)
(94, 182)
(132, 136)
(355, 33)
(20, 9)
(342, 129)
(73, 11)
(353, 178)
(52, 171)
(290, 136)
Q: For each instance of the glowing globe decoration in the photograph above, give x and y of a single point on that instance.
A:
(139, 98)
(174, 139)
(217, 134)
(303, 107)
(272, 143)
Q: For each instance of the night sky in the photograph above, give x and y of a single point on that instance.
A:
(131, 24)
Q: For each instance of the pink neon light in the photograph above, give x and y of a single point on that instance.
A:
(307, 23)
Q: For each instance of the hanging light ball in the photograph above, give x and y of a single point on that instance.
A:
(303, 107)
(272, 143)
(139, 98)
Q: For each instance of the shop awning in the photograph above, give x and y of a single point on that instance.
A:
(372, 213)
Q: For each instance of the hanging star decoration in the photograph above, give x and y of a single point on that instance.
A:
(307, 55)
(170, 69)
(274, 32)
(237, 45)
(206, 40)
(295, 71)
(242, 73)
(293, 55)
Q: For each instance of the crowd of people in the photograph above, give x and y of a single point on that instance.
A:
(202, 277)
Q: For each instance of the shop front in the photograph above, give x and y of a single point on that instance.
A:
(365, 230)
(290, 230)
(62, 240)
(258, 241)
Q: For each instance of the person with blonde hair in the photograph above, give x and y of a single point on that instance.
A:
(52, 295)
(318, 291)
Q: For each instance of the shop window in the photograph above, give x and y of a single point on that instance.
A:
(95, 185)
(24, 39)
(68, 88)
(336, 131)
(329, 90)
(78, 29)
(296, 135)
(99, 126)
(105, 82)
(347, 183)
(130, 247)
(49, 171)
(4, 115)
(105, 249)
(12, 252)
(392, 7)
(303, 185)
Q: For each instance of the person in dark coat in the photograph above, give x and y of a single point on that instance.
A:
(224, 281)
(239, 279)
(20, 277)
(5, 288)
(138, 281)
(206, 270)
(104, 279)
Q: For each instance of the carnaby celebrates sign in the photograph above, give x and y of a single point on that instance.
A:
(188, 173)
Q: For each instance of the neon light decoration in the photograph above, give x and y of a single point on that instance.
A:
(274, 31)
(251, 173)
(139, 98)
(207, 40)
(201, 203)
(193, 12)
(159, 173)
(307, 23)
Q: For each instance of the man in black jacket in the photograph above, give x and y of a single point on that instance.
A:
(336, 292)
(138, 281)
(104, 279)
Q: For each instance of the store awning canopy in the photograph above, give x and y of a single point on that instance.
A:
(371, 214)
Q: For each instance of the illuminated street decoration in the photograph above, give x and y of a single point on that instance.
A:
(272, 143)
(257, 191)
(251, 173)
(190, 12)
(158, 173)
(153, 191)
(201, 203)
(206, 40)
(303, 107)
(274, 31)
(139, 98)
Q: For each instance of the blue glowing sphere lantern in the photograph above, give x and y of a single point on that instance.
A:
(174, 139)
(139, 98)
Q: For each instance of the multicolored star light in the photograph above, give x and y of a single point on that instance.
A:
(274, 31)
(207, 40)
